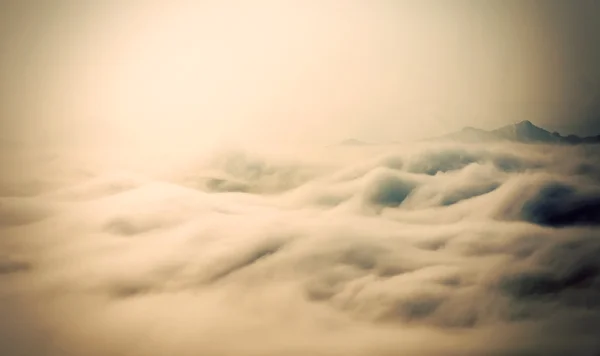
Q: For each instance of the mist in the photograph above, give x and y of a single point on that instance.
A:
(423, 249)
(86, 73)
(275, 178)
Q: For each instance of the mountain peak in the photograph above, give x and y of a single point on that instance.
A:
(469, 128)
(522, 131)
(525, 123)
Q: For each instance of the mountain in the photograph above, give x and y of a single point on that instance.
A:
(353, 142)
(470, 134)
(524, 131)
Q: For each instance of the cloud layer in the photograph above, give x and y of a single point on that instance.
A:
(425, 249)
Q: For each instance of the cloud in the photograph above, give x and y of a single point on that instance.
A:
(421, 249)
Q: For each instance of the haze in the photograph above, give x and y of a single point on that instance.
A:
(316, 71)
(192, 178)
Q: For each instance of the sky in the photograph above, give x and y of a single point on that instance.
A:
(318, 71)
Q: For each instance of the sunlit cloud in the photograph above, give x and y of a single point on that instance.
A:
(299, 178)
(446, 241)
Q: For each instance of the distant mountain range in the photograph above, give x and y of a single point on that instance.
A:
(523, 131)
(353, 142)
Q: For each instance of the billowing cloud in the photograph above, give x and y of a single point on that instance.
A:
(423, 249)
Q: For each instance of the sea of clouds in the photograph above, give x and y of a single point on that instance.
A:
(421, 249)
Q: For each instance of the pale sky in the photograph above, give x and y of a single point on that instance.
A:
(174, 72)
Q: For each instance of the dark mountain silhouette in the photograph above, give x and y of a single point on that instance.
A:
(523, 131)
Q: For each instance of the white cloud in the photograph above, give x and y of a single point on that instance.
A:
(423, 249)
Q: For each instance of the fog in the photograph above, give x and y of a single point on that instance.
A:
(421, 249)
(91, 73)
(172, 180)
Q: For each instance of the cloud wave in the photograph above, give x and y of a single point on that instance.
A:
(423, 249)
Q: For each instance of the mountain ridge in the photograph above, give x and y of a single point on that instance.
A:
(523, 131)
